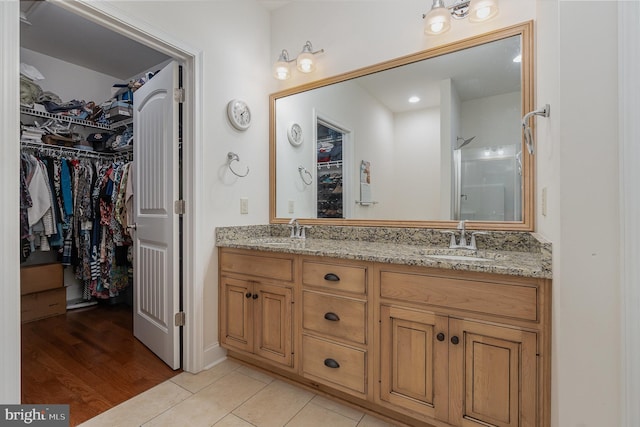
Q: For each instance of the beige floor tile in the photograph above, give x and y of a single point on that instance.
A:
(274, 405)
(196, 382)
(140, 409)
(212, 403)
(341, 409)
(371, 421)
(317, 416)
(232, 421)
(255, 374)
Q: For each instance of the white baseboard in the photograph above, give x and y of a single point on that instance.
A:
(213, 355)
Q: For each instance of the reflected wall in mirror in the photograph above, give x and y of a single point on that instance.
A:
(423, 140)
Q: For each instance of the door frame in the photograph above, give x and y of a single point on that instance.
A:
(193, 277)
(191, 59)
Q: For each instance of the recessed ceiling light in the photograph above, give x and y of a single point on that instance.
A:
(414, 99)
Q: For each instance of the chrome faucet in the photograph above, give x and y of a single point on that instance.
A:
(297, 230)
(462, 243)
(295, 227)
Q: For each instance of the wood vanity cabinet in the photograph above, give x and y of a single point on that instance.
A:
(335, 332)
(422, 345)
(256, 298)
(460, 348)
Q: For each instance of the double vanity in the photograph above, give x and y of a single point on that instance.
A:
(393, 320)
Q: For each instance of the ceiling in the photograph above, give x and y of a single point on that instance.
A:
(477, 72)
(58, 33)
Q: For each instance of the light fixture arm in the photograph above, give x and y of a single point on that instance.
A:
(308, 48)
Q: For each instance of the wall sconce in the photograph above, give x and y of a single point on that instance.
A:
(304, 62)
(438, 19)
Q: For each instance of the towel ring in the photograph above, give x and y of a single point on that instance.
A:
(301, 170)
(233, 157)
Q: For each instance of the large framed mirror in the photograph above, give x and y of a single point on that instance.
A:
(425, 140)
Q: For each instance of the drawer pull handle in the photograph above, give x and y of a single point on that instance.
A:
(248, 295)
(440, 337)
(331, 316)
(255, 296)
(331, 277)
(455, 340)
(330, 363)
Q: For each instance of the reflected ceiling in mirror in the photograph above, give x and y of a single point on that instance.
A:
(370, 157)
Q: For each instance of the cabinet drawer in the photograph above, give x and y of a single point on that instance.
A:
(336, 316)
(334, 276)
(500, 299)
(257, 265)
(334, 363)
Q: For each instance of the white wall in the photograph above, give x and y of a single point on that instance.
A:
(416, 147)
(70, 81)
(577, 164)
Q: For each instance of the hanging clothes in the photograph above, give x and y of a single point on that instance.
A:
(78, 206)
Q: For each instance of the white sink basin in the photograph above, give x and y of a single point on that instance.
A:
(459, 258)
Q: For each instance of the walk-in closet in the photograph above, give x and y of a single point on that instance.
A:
(77, 84)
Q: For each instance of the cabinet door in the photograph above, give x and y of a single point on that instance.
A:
(273, 323)
(493, 375)
(413, 359)
(236, 314)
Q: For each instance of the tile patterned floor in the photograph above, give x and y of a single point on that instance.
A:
(231, 395)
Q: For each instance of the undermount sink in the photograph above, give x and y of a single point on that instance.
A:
(460, 257)
(275, 241)
(459, 254)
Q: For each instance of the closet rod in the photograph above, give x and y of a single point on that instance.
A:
(56, 150)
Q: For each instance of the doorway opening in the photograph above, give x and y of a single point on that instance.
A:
(188, 145)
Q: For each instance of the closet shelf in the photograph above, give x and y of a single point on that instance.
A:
(327, 165)
(87, 123)
(77, 152)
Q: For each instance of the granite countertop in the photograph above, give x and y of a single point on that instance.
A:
(511, 253)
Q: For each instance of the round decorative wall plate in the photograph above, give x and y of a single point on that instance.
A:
(239, 114)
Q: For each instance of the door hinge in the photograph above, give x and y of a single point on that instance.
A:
(179, 207)
(180, 318)
(178, 94)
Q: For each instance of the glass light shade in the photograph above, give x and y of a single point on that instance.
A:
(281, 70)
(437, 21)
(305, 62)
(481, 10)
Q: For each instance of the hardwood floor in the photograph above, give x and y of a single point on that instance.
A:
(88, 359)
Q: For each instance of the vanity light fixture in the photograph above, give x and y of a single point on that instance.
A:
(305, 62)
(438, 19)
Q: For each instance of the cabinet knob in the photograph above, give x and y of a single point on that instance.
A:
(331, 277)
(255, 296)
(330, 363)
(248, 295)
(455, 340)
(331, 316)
(440, 337)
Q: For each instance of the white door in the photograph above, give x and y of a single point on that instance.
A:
(156, 237)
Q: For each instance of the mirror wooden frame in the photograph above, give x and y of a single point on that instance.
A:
(525, 30)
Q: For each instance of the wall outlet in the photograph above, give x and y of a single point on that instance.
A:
(292, 206)
(544, 201)
(244, 205)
